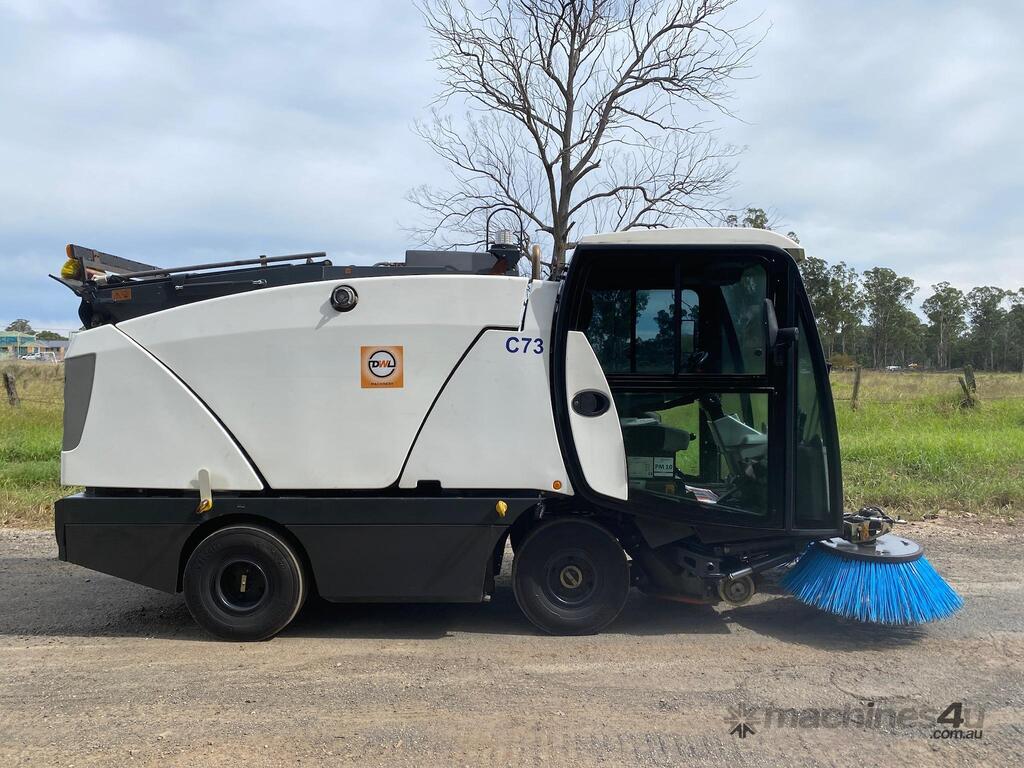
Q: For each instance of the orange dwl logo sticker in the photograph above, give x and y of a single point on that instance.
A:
(381, 367)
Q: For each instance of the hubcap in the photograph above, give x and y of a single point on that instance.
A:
(240, 586)
(571, 578)
(736, 591)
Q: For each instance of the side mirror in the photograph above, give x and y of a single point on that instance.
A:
(787, 336)
(778, 340)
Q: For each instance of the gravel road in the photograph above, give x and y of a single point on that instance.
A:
(94, 671)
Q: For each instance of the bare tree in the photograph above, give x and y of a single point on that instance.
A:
(582, 114)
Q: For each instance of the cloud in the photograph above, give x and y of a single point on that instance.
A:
(882, 133)
(204, 130)
(887, 134)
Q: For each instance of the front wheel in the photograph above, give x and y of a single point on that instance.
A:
(570, 577)
(244, 583)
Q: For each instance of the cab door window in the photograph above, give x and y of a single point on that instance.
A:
(655, 330)
(705, 448)
(667, 319)
(609, 327)
(668, 330)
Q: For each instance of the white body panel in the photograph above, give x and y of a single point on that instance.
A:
(281, 368)
(492, 426)
(698, 236)
(144, 429)
(598, 439)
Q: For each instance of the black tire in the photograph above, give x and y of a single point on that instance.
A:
(570, 577)
(244, 583)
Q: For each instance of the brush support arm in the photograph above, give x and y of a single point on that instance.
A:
(866, 525)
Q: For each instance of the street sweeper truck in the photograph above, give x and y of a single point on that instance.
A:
(657, 415)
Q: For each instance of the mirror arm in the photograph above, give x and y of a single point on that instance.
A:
(771, 324)
(787, 337)
(778, 339)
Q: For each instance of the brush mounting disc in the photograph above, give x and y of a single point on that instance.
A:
(889, 548)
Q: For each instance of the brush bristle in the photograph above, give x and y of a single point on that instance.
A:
(876, 592)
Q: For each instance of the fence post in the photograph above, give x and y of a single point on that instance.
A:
(970, 380)
(854, 403)
(12, 390)
(970, 387)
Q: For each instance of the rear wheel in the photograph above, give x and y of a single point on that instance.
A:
(570, 577)
(244, 583)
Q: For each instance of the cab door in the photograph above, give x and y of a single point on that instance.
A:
(706, 411)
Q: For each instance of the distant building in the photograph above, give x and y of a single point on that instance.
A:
(57, 346)
(14, 345)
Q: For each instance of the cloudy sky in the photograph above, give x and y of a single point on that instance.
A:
(883, 133)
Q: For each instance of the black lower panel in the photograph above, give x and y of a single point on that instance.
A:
(360, 549)
(397, 563)
(146, 554)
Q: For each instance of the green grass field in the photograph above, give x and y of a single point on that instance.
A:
(30, 445)
(909, 447)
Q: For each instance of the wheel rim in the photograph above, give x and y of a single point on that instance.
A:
(736, 591)
(571, 578)
(241, 586)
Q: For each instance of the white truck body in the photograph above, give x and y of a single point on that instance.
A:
(285, 375)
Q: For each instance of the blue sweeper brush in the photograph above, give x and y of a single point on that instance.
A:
(872, 575)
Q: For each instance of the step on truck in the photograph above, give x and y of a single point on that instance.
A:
(657, 415)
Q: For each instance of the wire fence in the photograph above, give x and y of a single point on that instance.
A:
(42, 400)
(907, 398)
(14, 381)
(31, 384)
(965, 387)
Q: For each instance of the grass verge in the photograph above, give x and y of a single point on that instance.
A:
(908, 447)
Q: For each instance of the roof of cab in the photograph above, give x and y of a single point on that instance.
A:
(698, 236)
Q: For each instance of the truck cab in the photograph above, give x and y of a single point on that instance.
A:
(701, 347)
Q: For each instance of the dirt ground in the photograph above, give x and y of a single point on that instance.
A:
(94, 671)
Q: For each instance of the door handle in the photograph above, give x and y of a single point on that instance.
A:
(591, 402)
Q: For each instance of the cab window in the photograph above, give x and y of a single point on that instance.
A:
(743, 304)
(813, 495)
(665, 318)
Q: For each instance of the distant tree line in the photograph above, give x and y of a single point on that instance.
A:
(23, 326)
(867, 319)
